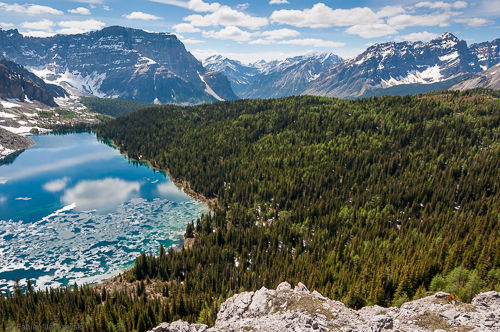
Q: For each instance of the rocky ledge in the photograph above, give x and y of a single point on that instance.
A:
(10, 143)
(297, 309)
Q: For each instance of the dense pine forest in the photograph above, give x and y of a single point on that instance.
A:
(371, 201)
(112, 107)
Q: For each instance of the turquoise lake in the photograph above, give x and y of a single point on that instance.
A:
(73, 209)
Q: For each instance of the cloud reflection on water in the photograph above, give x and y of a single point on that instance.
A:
(171, 192)
(103, 195)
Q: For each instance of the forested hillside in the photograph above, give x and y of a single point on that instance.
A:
(371, 201)
(112, 107)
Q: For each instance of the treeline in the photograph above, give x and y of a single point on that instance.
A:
(112, 107)
(370, 201)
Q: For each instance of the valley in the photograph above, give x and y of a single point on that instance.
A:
(150, 181)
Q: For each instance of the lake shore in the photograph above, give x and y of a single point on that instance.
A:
(211, 203)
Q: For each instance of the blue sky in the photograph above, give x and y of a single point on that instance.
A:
(263, 29)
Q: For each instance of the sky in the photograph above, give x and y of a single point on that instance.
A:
(250, 31)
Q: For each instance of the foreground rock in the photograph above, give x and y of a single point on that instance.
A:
(10, 143)
(297, 309)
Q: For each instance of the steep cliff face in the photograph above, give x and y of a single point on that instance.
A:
(387, 65)
(114, 62)
(487, 79)
(297, 309)
(18, 83)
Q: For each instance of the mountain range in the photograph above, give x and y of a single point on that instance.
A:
(118, 62)
(273, 79)
(125, 63)
(393, 68)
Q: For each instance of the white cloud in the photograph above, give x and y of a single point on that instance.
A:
(104, 194)
(39, 25)
(261, 41)
(142, 16)
(80, 11)
(227, 17)
(74, 27)
(405, 20)
(417, 36)
(106, 8)
(442, 5)
(278, 2)
(371, 30)
(312, 42)
(194, 5)
(473, 22)
(29, 9)
(185, 27)
(243, 6)
(280, 33)
(4, 25)
(3, 199)
(322, 16)
(388, 11)
(230, 32)
(56, 185)
(90, 1)
(192, 41)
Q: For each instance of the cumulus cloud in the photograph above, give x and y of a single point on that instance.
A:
(389, 11)
(194, 5)
(230, 32)
(102, 195)
(39, 25)
(280, 33)
(80, 11)
(74, 27)
(417, 36)
(278, 2)
(185, 28)
(405, 20)
(3, 199)
(472, 22)
(442, 4)
(371, 30)
(312, 42)
(56, 185)
(4, 25)
(29, 9)
(226, 16)
(141, 16)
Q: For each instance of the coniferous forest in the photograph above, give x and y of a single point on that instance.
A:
(370, 201)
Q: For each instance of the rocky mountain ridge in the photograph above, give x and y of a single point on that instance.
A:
(297, 309)
(273, 79)
(489, 79)
(394, 68)
(397, 63)
(22, 85)
(118, 62)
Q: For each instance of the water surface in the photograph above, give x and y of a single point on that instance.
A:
(72, 209)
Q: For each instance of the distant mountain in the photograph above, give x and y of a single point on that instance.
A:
(489, 79)
(20, 84)
(118, 62)
(273, 79)
(384, 66)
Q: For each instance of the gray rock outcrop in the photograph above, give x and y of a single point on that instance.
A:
(10, 143)
(297, 309)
